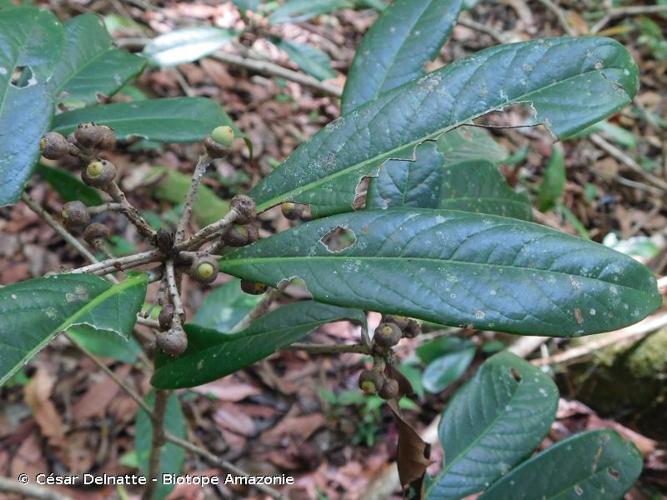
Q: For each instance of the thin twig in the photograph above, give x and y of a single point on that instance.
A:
(262, 307)
(635, 10)
(29, 490)
(172, 287)
(148, 322)
(562, 18)
(207, 233)
(329, 349)
(119, 263)
(130, 211)
(474, 25)
(105, 207)
(197, 176)
(157, 441)
(223, 464)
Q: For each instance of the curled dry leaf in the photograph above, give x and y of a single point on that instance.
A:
(413, 454)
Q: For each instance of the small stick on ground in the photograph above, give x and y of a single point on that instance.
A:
(29, 490)
(158, 440)
(562, 18)
(197, 176)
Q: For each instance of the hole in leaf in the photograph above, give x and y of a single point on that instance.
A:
(515, 374)
(22, 77)
(613, 473)
(338, 239)
(360, 192)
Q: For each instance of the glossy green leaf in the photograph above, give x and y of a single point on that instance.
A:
(186, 45)
(173, 186)
(547, 74)
(432, 350)
(407, 35)
(294, 11)
(30, 40)
(212, 354)
(597, 465)
(41, 308)
(447, 369)
(69, 187)
(429, 181)
(172, 456)
(90, 65)
(177, 119)
(457, 268)
(104, 345)
(553, 182)
(246, 5)
(310, 59)
(470, 143)
(224, 307)
(497, 419)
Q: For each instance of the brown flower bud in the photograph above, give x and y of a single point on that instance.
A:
(204, 269)
(164, 241)
(245, 208)
(387, 335)
(253, 287)
(166, 317)
(293, 211)
(174, 341)
(370, 381)
(99, 173)
(96, 233)
(390, 389)
(413, 329)
(75, 215)
(54, 146)
(92, 136)
(239, 236)
(400, 321)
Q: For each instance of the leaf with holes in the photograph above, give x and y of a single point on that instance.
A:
(497, 419)
(594, 465)
(212, 354)
(186, 45)
(224, 307)
(310, 59)
(429, 181)
(30, 40)
(177, 119)
(90, 65)
(41, 308)
(172, 456)
(456, 268)
(407, 35)
(69, 187)
(546, 74)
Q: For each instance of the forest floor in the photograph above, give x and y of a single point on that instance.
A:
(295, 413)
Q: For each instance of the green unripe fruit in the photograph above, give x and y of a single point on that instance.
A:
(94, 136)
(245, 208)
(204, 269)
(96, 233)
(75, 215)
(53, 146)
(390, 389)
(223, 135)
(174, 341)
(370, 382)
(387, 335)
(99, 173)
(253, 287)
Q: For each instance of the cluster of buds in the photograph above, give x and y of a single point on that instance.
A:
(392, 329)
(377, 382)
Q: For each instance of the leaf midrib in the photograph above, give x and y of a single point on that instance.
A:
(387, 155)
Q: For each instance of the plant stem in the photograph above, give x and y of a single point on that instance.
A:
(130, 211)
(262, 307)
(207, 233)
(197, 176)
(105, 207)
(329, 349)
(119, 263)
(158, 440)
(172, 287)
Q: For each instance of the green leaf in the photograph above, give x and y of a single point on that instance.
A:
(497, 419)
(457, 268)
(212, 354)
(470, 143)
(245, 5)
(68, 186)
(126, 350)
(445, 370)
(177, 119)
(173, 186)
(172, 456)
(186, 45)
(30, 40)
(553, 182)
(41, 308)
(310, 59)
(569, 82)
(224, 307)
(429, 181)
(90, 65)
(432, 350)
(596, 465)
(295, 11)
(407, 35)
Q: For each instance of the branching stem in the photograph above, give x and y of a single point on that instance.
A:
(197, 176)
